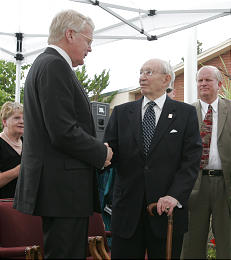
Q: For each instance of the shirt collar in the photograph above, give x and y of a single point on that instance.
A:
(205, 105)
(63, 54)
(159, 101)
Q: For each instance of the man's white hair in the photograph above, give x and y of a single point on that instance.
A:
(64, 20)
(167, 69)
(215, 70)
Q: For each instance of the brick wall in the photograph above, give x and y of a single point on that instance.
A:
(179, 81)
(216, 61)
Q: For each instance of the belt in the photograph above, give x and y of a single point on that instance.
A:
(212, 172)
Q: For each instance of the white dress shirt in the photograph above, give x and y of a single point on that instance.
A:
(214, 158)
(62, 53)
(157, 108)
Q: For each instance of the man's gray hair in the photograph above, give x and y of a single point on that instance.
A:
(167, 69)
(215, 70)
(64, 20)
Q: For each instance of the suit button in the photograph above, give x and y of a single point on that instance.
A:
(146, 168)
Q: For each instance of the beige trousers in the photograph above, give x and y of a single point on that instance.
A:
(210, 200)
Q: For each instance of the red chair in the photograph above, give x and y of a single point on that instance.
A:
(21, 235)
(97, 229)
(19, 232)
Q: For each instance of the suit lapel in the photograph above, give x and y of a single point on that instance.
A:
(222, 115)
(81, 88)
(199, 114)
(55, 52)
(167, 117)
(135, 120)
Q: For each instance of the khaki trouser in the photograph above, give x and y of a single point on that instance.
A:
(210, 200)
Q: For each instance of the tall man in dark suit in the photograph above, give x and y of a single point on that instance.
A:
(211, 195)
(60, 152)
(163, 171)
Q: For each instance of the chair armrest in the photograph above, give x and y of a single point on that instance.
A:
(28, 252)
(101, 248)
(93, 249)
(33, 252)
(6, 252)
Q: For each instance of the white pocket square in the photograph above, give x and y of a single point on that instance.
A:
(173, 131)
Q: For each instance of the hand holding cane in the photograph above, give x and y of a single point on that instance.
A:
(150, 208)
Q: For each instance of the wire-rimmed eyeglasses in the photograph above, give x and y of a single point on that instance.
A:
(147, 73)
(87, 37)
(90, 39)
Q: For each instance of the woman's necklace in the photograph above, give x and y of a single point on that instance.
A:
(13, 143)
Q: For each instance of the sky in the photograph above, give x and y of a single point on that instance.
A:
(123, 58)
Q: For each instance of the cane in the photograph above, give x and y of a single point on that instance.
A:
(150, 207)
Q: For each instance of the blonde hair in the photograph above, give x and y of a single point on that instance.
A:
(64, 20)
(9, 108)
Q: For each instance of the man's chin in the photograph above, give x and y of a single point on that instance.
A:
(78, 63)
(203, 94)
(144, 92)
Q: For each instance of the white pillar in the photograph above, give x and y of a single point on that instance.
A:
(190, 67)
(18, 79)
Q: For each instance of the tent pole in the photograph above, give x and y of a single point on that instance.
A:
(19, 57)
(18, 79)
(190, 67)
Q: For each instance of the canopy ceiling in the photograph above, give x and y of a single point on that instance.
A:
(150, 24)
(24, 24)
(139, 24)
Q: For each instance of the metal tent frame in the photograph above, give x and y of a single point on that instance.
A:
(144, 14)
(141, 27)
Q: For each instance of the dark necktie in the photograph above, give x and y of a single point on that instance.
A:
(206, 133)
(148, 124)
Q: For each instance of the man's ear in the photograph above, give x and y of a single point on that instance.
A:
(4, 123)
(219, 84)
(69, 34)
(167, 79)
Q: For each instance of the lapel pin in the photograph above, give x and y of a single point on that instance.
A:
(169, 115)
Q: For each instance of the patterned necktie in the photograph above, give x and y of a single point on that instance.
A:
(206, 133)
(148, 124)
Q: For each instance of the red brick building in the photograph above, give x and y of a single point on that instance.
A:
(213, 56)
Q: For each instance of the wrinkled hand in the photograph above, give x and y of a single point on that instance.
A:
(166, 204)
(109, 155)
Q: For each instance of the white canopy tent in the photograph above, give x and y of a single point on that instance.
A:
(135, 24)
(150, 24)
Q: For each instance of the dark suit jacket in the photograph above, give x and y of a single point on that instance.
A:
(60, 152)
(170, 169)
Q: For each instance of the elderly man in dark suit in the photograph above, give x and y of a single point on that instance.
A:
(60, 152)
(211, 195)
(157, 149)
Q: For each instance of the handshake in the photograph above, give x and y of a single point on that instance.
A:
(109, 155)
